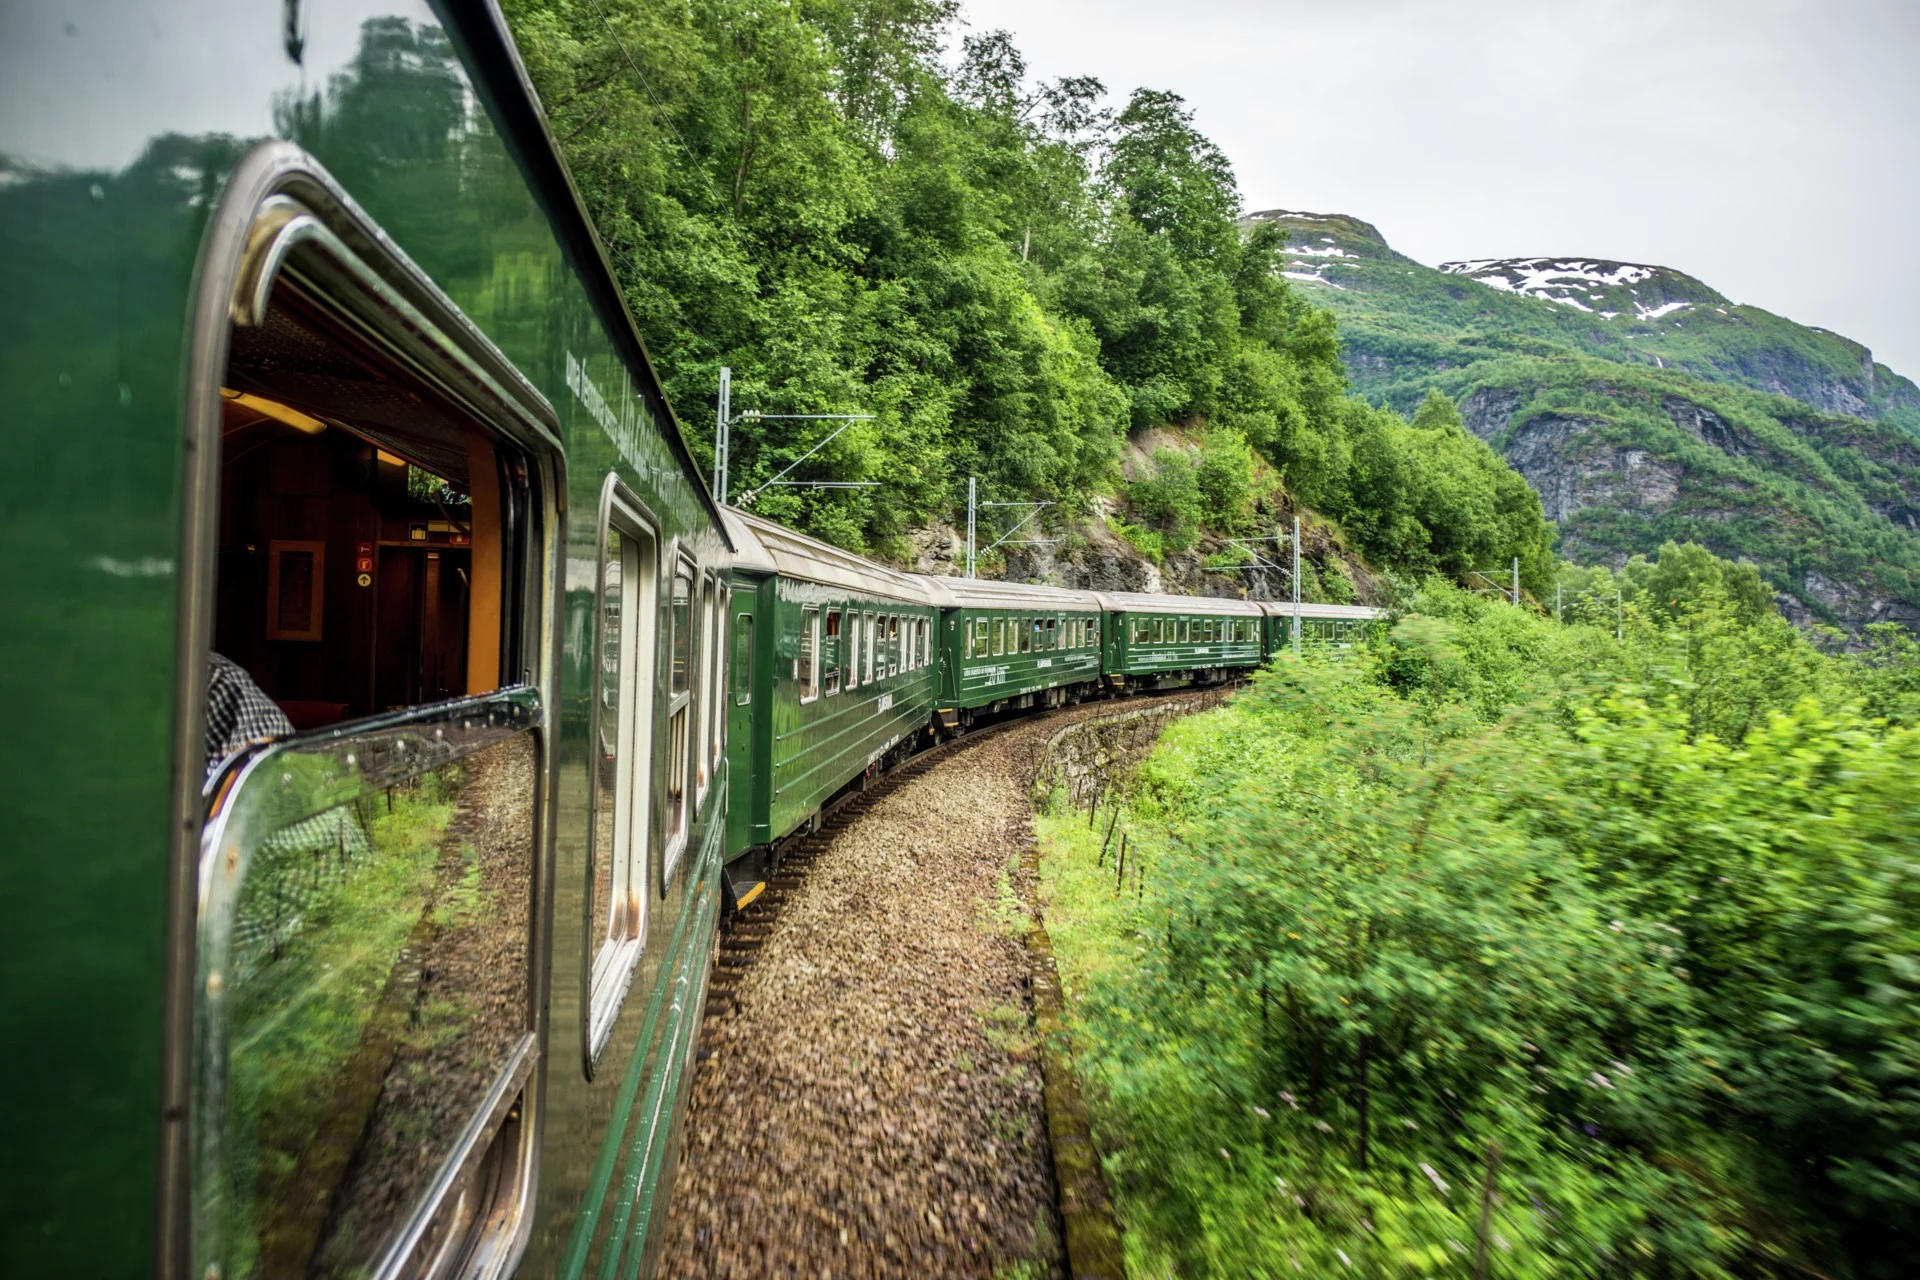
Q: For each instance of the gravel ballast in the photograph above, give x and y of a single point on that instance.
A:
(872, 1104)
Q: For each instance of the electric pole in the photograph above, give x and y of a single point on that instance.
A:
(971, 509)
(1296, 584)
(1516, 582)
(720, 434)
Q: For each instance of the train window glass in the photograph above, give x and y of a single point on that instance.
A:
(680, 742)
(853, 649)
(872, 630)
(1159, 630)
(806, 661)
(926, 643)
(830, 653)
(893, 644)
(714, 677)
(742, 665)
(1053, 634)
(708, 688)
(623, 735)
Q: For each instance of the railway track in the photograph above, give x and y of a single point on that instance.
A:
(742, 936)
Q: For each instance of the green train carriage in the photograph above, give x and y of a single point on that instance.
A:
(1009, 645)
(326, 371)
(1163, 642)
(836, 673)
(1322, 627)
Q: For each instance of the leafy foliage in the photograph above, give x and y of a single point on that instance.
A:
(1010, 276)
(1506, 936)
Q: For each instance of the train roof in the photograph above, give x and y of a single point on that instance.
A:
(984, 593)
(778, 549)
(1153, 602)
(1351, 612)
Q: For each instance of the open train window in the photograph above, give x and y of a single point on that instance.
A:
(353, 1022)
(627, 614)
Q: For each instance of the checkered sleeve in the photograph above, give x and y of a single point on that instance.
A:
(238, 712)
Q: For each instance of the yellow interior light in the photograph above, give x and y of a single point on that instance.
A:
(274, 409)
(389, 459)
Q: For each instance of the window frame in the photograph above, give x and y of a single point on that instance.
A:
(677, 819)
(278, 210)
(831, 636)
(740, 666)
(708, 629)
(806, 658)
(613, 960)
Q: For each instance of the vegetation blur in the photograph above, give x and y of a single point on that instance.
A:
(1499, 945)
(1010, 275)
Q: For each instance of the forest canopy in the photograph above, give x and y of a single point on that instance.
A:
(856, 213)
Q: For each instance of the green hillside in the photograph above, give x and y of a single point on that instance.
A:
(1644, 406)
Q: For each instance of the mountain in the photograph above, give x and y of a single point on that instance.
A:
(1643, 405)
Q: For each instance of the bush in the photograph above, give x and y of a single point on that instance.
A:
(1627, 931)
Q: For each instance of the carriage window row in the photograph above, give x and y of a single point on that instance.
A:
(991, 637)
(846, 648)
(1191, 630)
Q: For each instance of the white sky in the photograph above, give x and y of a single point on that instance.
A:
(1768, 147)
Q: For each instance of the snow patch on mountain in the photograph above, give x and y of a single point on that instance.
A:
(1596, 286)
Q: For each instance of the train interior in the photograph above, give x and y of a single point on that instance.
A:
(361, 536)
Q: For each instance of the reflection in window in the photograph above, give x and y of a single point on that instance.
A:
(830, 653)
(623, 751)
(367, 988)
(806, 662)
(742, 669)
(709, 740)
(893, 644)
(680, 641)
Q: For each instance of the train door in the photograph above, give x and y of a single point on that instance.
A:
(355, 1025)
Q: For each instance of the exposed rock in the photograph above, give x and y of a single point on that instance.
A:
(1571, 467)
(1487, 411)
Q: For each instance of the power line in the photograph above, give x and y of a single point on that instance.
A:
(644, 83)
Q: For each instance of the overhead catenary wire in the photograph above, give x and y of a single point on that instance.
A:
(645, 84)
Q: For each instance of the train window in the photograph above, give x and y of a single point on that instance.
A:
(830, 653)
(853, 649)
(1052, 634)
(742, 667)
(708, 690)
(680, 742)
(715, 692)
(623, 734)
(969, 639)
(365, 538)
(925, 641)
(806, 661)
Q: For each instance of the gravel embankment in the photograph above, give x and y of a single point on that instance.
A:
(872, 1106)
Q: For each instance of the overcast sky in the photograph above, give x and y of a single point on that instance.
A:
(1767, 147)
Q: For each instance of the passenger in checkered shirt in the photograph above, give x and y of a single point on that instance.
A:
(237, 711)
